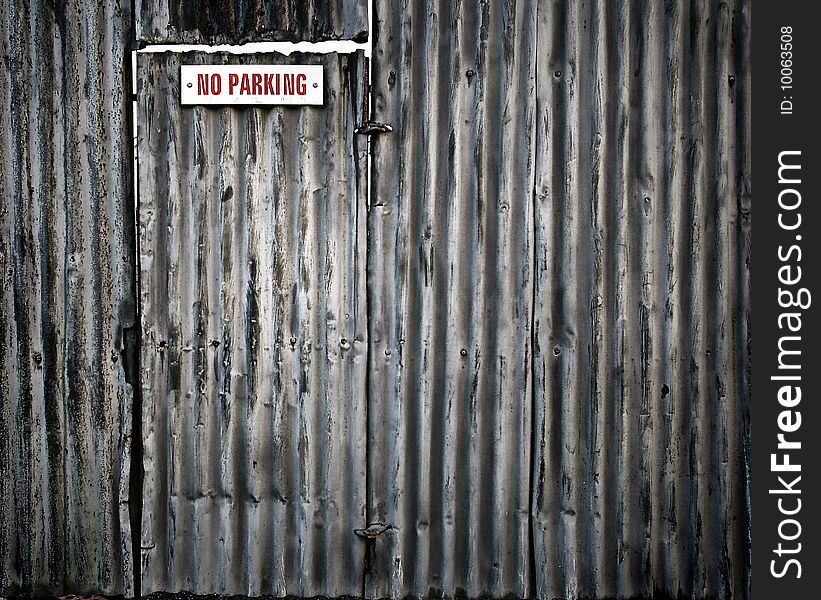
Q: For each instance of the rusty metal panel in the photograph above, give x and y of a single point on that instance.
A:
(641, 331)
(254, 341)
(240, 21)
(451, 298)
(559, 295)
(66, 298)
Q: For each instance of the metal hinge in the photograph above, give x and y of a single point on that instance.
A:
(373, 530)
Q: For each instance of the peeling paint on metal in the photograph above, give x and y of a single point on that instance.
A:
(254, 351)
(240, 21)
(66, 298)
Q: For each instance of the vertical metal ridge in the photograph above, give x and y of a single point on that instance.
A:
(665, 549)
(691, 271)
(601, 463)
(680, 502)
(702, 321)
(549, 546)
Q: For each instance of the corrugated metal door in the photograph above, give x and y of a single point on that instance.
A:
(451, 297)
(252, 248)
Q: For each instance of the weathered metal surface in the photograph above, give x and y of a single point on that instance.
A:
(451, 298)
(554, 342)
(240, 21)
(559, 299)
(641, 325)
(66, 298)
(252, 246)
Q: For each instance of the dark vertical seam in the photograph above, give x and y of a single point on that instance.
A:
(62, 25)
(132, 350)
(370, 544)
(534, 258)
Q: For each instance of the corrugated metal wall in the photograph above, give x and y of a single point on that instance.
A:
(66, 298)
(641, 326)
(240, 21)
(451, 298)
(559, 299)
(529, 358)
(254, 350)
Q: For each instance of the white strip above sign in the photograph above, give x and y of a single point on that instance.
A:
(251, 84)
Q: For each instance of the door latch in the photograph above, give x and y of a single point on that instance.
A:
(371, 127)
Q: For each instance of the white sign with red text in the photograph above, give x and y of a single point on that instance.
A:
(251, 84)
